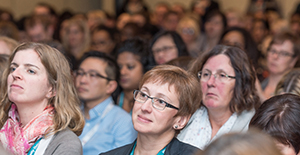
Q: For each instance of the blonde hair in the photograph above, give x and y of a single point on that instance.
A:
(289, 83)
(65, 102)
(249, 143)
(83, 28)
(11, 43)
(189, 21)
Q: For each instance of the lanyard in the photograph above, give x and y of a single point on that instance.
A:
(161, 152)
(90, 134)
(34, 147)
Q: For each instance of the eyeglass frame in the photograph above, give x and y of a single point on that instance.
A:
(135, 92)
(88, 74)
(164, 49)
(280, 53)
(215, 75)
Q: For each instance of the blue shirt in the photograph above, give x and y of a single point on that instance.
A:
(115, 130)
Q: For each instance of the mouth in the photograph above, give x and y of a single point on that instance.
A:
(80, 89)
(211, 94)
(144, 119)
(15, 86)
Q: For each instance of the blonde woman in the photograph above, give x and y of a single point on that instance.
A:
(39, 109)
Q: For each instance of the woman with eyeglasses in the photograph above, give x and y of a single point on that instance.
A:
(229, 99)
(282, 55)
(166, 99)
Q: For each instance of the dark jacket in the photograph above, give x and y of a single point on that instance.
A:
(175, 147)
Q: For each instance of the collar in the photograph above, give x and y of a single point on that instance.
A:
(98, 109)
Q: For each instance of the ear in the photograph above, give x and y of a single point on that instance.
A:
(180, 122)
(111, 86)
(51, 93)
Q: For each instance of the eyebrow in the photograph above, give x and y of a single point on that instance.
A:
(92, 70)
(26, 65)
(159, 95)
(218, 71)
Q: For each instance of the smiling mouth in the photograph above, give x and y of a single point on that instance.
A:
(144, 119)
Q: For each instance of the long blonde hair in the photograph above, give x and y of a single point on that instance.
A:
(65, 102)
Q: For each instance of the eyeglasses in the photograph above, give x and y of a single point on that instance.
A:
(163, 49)
(188, 31)
(221, 77)
(280, 53)
(157, 103)
(90, 75)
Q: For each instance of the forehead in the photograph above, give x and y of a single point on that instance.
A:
(93, 63)
(219, 62)
(102, 34)
(286, 45)
(164, 40)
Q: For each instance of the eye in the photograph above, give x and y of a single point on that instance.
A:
(31, 71)
(205, 74)
(161, 101)
(130, 67)
(12, 68)
(222, 75)
(93, 74)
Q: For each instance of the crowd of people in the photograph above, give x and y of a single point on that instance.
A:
(197, 81)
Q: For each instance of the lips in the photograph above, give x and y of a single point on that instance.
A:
(80, 89)
(16, 86)
(144, 119)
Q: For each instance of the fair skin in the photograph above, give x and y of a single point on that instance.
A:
(234, 38)
(278, 65)
(286, 149)
(164, 50)
(93, 90)
(76, 38)
(4, 48)
(131, 71)
(38, 33)
(102, 42)
(216, 95)
(28, 85)
(156, 128)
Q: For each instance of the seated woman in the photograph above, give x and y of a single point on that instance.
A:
(290, 83)
(133, 62)
(39, 109)
(166, 46)
(229, 98)
(279, 116)
(166, 99)
(249, 143)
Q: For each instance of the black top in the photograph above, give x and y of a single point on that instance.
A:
(175, 147)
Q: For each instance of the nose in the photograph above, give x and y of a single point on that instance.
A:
(123, 70)
(212, 80)
(147, 106)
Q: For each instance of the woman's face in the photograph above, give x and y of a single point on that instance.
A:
(217, 94)
(188, 34)
(164, 50)
(280, 58)
(148, 120)
(27, 81)
(214, 27)
(131, 70)
(75, 36)
(234, 38)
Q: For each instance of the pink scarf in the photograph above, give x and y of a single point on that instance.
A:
(19, 140)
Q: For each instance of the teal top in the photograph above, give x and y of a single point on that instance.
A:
(161, 152)
(121, 101)
(34, 147)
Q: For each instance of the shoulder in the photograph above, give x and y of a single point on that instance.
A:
(178, 147)
(243, 120)
(64, 142)
(126, 149)
(117, 113)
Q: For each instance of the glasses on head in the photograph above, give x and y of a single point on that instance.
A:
(163, 49)
(221, 77)
(90, 75)
(280, 53)
(157, 103)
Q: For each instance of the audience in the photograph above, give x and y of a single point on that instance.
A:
(107, 125)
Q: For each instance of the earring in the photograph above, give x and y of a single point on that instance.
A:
(176, 126)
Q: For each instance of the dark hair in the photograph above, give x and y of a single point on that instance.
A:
(180, 45)
(137, 47)
(112, 69)
(49, 7)
(212, 14)
(245, 97)
(250, 46)
(264, 22)
(279, 116)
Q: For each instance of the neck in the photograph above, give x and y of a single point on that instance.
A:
(76, 51)
(28, 112)
(128, 94)
(274, 79)
(218, 118)
(88, 105)
(149, 144)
